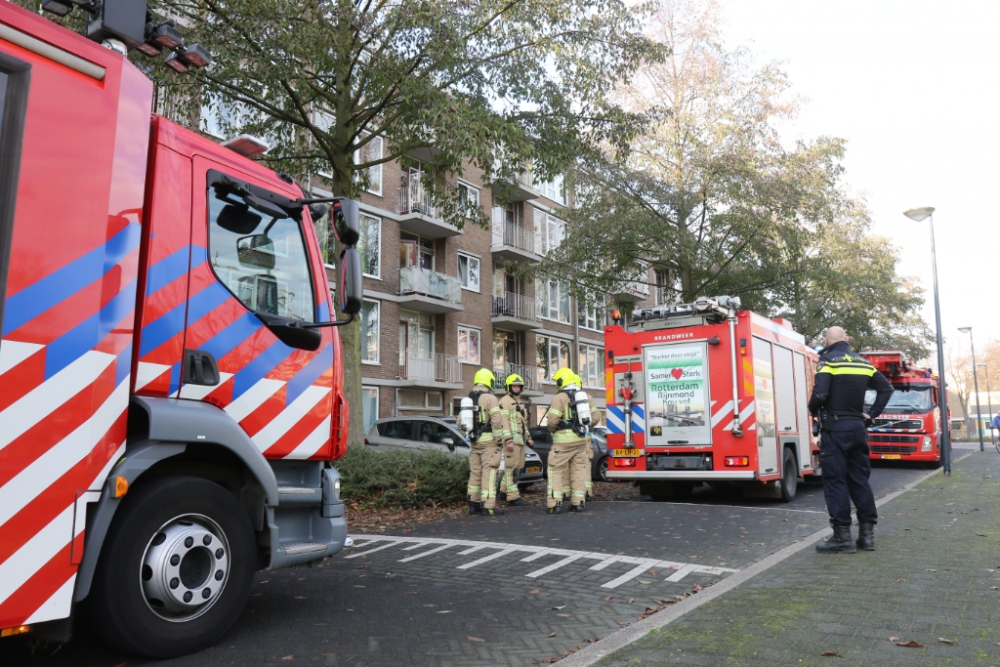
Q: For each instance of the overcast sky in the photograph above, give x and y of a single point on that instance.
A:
(913, 86)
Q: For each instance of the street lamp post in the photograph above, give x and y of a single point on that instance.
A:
(917, 215)
(989, 398)
(975, 380)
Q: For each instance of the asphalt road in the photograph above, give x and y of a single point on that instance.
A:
(515, 590)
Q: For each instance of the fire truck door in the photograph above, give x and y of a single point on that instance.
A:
(784, 388)
(763, 383)
(802, 403)
(677, 395)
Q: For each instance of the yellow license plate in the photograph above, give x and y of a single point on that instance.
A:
(626, 452)
(533, 469)
(891, 456)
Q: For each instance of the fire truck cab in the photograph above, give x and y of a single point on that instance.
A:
(909, 429)
(705, 392)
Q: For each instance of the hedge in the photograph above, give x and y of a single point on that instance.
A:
(402, 479)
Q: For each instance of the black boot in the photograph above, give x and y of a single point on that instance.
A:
(491, 511)
(474, 507)
(576, 508)
(866, 536)
(517, 502)
(502, 496)
(839, 542)
(555, 510)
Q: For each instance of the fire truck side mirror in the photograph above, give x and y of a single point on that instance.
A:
(292, 332)
(350, 288)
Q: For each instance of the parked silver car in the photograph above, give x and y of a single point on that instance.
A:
(437, 434)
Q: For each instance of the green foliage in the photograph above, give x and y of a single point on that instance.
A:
(402, 479)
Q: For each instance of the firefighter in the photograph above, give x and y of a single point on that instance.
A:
(516, 411)
(594, 421)
(486, 443)
(568, 456)
(838, 399)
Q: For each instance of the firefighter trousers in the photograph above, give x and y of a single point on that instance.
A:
(484, 461)
(512, 462)
(569, 470)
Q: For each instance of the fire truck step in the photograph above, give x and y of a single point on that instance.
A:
(302, 548)
(299, 496)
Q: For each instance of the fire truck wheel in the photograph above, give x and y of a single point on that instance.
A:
(175, 570)
(789, 477)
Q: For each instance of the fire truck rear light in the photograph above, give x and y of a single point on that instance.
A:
(121, 486)
(16, 630)
(737, 461)
(926, 447)
(625, 463)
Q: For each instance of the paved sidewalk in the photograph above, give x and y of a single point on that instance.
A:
(935, 576)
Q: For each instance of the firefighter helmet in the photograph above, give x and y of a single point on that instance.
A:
(563, 377)
(513, 379)
(485, 376)
(579, 381)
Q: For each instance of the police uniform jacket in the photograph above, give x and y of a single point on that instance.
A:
(842, 378)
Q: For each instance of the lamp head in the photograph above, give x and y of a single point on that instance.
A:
(965, 329)
(919, 214)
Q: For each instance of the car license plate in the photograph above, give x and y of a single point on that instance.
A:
(891, 456)
(626, 452)
(533, 469)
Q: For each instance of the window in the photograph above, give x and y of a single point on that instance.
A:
(468, 271)
(661, 278)
(416, 336)
(554, 189)
(262, 262)
(415, 399)
(468, 345)
(550, 232)
(468, 199)
(369, 405)
(436, 432)
(370, 312)
(589, 314)
(553, 300)
(400, 428)
(592, 365)
(370, 152)
(552, 354)
(369, 244)
(416, 251)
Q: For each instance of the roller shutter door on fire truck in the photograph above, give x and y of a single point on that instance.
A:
(763, 381)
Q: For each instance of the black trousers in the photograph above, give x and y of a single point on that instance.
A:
(843, 453)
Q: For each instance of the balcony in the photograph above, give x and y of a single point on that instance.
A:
(443, 372)
(513, 242)
(417, 213)
(631, 291)
(429, 291)
(522, 187)
(528, 373)
(515, 312)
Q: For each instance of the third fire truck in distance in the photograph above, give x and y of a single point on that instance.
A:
(909, 429)
(705, 392)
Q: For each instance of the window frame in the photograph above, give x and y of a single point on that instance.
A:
(469, 330)
(381, 152)
(469, 187)
(583, 352)
(426, 404)
(378, 336)
(561, 298)
(364, 388)
(552, 343)
(479, 272)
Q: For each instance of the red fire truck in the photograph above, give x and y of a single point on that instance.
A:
(705, 392)
(171, 392)
(909, 429)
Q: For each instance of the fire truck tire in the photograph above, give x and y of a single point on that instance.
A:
(175, 570)
(789, 477)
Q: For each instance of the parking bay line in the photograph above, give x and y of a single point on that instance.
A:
(681, 570)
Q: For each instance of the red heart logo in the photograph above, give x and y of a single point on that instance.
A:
(677, 373)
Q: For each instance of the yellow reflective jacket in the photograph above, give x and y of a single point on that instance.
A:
(516, 413)
(558, 418)
(490, 413)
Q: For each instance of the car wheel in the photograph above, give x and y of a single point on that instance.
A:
(601, 470)
(175, 570)
(789, 477)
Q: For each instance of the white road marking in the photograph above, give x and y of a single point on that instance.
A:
(534, 553)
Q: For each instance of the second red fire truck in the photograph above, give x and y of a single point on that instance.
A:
(705, 392)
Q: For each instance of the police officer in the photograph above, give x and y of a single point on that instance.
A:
(838, 400)
(569, 447)
(516, 415)
(486, 443)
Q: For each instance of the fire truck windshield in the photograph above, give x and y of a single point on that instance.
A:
(905, 400)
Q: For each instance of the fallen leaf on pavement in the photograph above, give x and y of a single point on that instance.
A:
(289, 657)
(649, 612)
(477, 639)
(900, 579)
(563, 615)
(552, 635)
(981, 534)
(831, 654)
(894, 639)
(946, 641)
(446, 611)
(910, 644)
(653, 572)
(549, 661)
(608, 598)
(534, 592)
(430, 605)
(557, 608)
(646, 583)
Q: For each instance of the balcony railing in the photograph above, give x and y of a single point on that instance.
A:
(528, 373)
(442, 368)
(414, 197)
(514, 236)
(515, 305)
(414, 280)
(632, 290)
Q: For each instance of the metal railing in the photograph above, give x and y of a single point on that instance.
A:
(514, 305)
(442, 368)
(414, 280)
(414, 197)
(529, 373)
(514, 236)
(633, 288)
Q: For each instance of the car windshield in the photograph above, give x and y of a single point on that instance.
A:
(905, 400)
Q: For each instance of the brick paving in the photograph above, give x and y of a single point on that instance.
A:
(935, 575)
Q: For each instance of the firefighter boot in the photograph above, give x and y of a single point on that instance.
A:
(866, 536)
(839, 542)
(517, 502)
(557, 509)
(491, 511)
(502, 496)
(577, 508)
(474, 507)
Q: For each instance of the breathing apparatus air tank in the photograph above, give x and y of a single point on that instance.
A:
(466, 413)
(581, 403)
